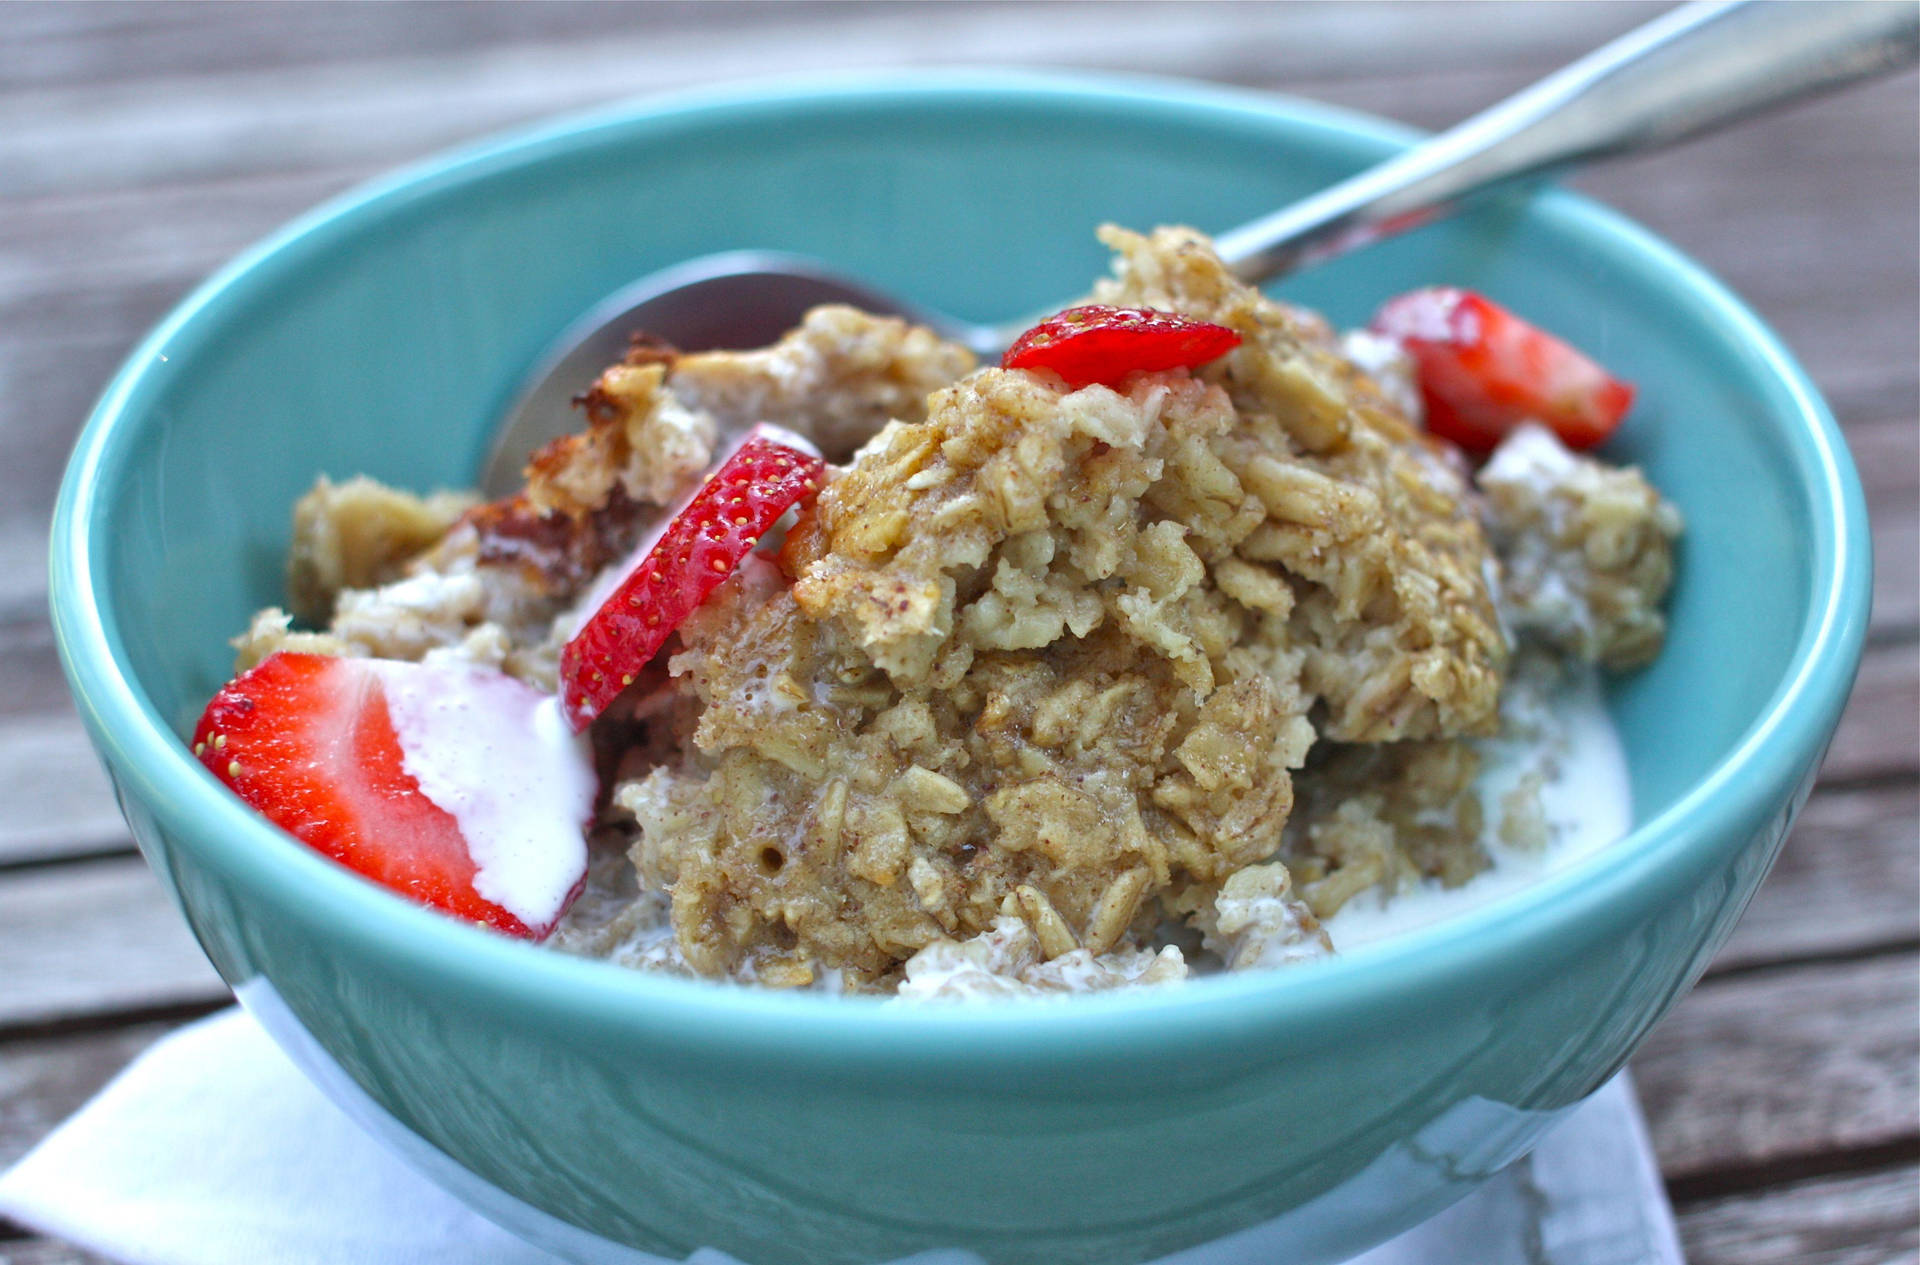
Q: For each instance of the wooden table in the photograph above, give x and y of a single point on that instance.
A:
(141, 146)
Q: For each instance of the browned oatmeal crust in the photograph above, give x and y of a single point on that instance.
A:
(398, 576)
(359, 534)
(556, 553)
(837, 378)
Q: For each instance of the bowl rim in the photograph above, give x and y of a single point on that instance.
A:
(153, 765)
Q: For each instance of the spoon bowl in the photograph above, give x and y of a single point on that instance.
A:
(732, 299)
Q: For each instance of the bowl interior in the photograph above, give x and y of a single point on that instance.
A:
(385, 334)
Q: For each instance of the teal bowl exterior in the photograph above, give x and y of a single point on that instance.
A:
(1308, 1112)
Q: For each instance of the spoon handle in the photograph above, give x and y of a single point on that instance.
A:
(1695, 68)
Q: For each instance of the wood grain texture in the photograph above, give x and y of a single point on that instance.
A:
(1869, 1219)
(1770, 1068)
(55, 800)
(1888, 455)
(86, 940)
(388, 98)
(44, 1081)
(44, 1252)
(1844, 883)
(1879, 736)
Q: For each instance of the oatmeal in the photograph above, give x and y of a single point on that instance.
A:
(1062, 679)
(1587, 549)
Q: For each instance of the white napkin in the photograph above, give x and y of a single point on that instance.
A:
(211, 1149)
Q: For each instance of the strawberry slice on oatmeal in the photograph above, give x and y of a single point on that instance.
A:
(772, 471)
(1483, 372)
(1099, 344)
(453, 785)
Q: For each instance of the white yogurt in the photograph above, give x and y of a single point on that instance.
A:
(1534, 456)
(497, 756)
(1587, 798)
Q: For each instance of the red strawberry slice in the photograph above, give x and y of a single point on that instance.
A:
(1100, 344)
(701, 546)
(1484, 371)
(309, 742)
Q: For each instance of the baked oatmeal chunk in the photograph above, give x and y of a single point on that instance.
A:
(1369, 522)
(1054, 651)
(837, 378)
(1385, 815)
(391, 575)
(1007, 960)
(1254, 919)
(654, 421)
(1001, 673)
(1586, 549)
(356, 535)
(640, 438)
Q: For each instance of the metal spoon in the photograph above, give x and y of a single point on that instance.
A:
(1695, 68)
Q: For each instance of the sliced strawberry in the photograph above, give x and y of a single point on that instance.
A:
(309, 742)
(1100, 344)
(1484, 371)
(700, 547)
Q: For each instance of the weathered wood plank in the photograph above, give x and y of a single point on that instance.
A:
(44, 1252)
(1877, 737)
(1888, 456)
(164, 239)
(1765, 1068)
(383, 108)
(55, 800)
(30, 679)
(42, 1082)
(1845, 883)
(1896, 572)
(23, 554)
(177, 232)
(82, 44)
(1864, 1219)
(95, 43)
(87, 940)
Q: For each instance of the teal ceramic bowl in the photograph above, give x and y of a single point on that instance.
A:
(1311, 1111)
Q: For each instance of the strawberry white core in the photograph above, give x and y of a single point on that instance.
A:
(498, 757)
